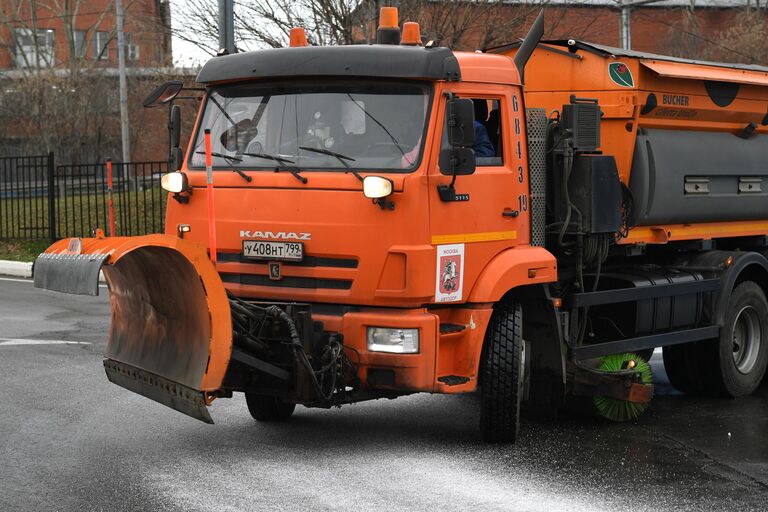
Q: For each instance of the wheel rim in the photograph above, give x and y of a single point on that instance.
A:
(745, 338)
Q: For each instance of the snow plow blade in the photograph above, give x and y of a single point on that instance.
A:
(170, 334)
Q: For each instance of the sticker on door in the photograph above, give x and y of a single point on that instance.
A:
(450, 273)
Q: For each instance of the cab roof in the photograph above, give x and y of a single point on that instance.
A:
(375, 60)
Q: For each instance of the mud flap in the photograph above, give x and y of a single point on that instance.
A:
(170, 336)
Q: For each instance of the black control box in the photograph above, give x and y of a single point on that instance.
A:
(595, 189)
(582, 119)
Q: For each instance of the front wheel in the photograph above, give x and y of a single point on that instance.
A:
(502, 375)
(268, 408)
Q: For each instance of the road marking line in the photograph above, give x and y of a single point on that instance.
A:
(20, 341)
(31, 281)
(15, 280)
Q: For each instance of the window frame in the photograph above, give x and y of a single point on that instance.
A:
(101, 52)
(430, 92)
(81, 50)
(42, 53)
(487, 97)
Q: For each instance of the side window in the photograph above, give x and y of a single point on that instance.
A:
(488, 140)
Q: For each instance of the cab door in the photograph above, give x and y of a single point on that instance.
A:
(492, 211)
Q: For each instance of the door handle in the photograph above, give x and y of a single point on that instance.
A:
(510, 213)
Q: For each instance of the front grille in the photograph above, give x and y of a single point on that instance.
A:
(308, 261)
(287, 281)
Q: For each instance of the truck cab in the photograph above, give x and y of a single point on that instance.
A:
(408, 280)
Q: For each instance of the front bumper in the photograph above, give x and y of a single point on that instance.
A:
(404, 372)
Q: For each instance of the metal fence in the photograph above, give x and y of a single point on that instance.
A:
(40, 200)
(25, 197)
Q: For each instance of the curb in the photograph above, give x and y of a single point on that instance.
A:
(16, 268)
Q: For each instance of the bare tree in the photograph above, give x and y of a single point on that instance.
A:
(58, 96)
(745, 40)
(460, 24)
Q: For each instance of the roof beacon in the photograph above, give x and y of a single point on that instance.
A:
(411, 34)
(389, 31)
(297, 37)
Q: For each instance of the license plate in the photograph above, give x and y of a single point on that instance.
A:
(275, 251)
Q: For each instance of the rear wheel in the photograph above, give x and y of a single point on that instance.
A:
(268, 408)
(502, 375)
(742, 354)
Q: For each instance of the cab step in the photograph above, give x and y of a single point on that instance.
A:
(451, 328)
(453, 380)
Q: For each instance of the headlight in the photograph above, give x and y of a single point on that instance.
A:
(376, 187)
(396, 341)
(175, 182)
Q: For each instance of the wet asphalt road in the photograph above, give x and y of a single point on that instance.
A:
(71, 441)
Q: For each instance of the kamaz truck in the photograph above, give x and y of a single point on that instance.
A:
(527, 223)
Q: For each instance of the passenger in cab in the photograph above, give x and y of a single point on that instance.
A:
(483, 147)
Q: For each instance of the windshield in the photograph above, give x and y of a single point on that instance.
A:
(330, 125)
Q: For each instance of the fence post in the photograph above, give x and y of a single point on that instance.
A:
(51, 199)
(111, 205)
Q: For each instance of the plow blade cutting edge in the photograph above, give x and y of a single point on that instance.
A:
(170, 335)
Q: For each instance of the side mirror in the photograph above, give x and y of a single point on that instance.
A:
(174, 136)
(459, 158)
(457, 161)
(164, 93)
(460, 114)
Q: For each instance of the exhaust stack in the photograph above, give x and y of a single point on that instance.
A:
(529, 44)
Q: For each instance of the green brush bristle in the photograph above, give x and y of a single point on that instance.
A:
(621, 410)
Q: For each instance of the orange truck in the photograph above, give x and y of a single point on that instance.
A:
(529, 223)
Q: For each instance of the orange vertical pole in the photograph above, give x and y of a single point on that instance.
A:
(111, 205)
(209, 174)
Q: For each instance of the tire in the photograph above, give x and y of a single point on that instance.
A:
(742, 350)
(268, 408)
(502, 375)
(681, 364)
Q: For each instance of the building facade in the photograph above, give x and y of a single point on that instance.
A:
(80, 33)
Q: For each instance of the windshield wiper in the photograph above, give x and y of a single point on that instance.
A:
(281, 164)
(227, 159)
(222, 110)
(341, 158)
(395, 142)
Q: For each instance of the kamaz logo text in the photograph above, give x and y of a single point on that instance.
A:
(280, 235)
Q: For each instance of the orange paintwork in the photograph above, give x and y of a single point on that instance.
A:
(120, 248)
(512, 268)
(459, 353)
(682, 104)
(704, 72)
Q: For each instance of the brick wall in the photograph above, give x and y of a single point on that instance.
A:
(88, 27)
